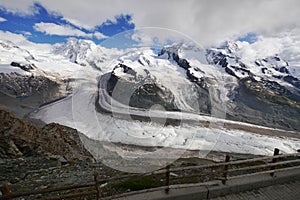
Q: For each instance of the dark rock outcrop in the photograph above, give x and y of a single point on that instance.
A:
(292, 80)
(22, 94)
(25, 67)
(265, 103)
(17, 85)
(136, 90)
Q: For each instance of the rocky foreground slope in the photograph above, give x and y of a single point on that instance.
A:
(34, 158)
(20, 138)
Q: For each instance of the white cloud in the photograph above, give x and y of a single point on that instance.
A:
(64, 30)
(208, 22)
(21, 41)
(15, 38)
(26, 33)
(20, 7)
(158, 36)
(2, 19)
(285, 44)
(79, 24)
(99, 35)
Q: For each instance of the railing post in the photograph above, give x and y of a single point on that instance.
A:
(97, 185)
(274, 160)
(167, 179)
(5, 190)
(227, 158)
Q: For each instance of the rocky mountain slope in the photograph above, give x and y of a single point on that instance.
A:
(261, 91)
(23, 94)
(163, 79)
(266, 92)
(22, 139)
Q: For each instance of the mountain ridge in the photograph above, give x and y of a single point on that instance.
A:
(266, 81)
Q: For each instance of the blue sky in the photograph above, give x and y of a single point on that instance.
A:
(249, 37)
(32, 26)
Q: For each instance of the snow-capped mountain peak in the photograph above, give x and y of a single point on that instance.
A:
(8, 47)
(230, 47)
(228, 57)
(83, 52)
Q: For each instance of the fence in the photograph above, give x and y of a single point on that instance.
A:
(218, 171)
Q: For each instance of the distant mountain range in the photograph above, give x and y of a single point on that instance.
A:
(181, 77)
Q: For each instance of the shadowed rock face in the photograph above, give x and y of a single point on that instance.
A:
(138, 91)
(21, 86)
(265, 103)
(149, 91)
(151, 94)
(20, 138)
(22, 94)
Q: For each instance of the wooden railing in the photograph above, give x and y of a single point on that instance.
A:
(219, 171)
